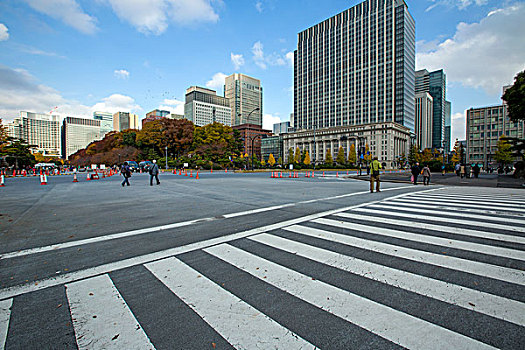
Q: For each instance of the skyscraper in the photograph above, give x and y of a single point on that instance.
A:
(39, 130)
(435, 83)
(106, 122)
(203, 106)
(356, 68)
(125, 120)
(245, 95)
(78, 133)
(423, 127)
(448, 125)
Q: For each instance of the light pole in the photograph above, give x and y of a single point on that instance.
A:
(249, 114)
(252, 138)
(315, 147)
(166, 157)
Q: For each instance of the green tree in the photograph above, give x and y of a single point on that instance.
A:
(426, 155)
(280, 161)
(18, 154)
(340, 159)
(297, 157)
(352, 157)
(290, 156)
(329, 161)
(214, 142)
(413, 155)
(307, 160)
(271, 160)
(503, 153)
(515, 98)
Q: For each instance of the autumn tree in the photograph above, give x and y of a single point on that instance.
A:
(413, 155)
(290, 155)
(214, 142)
(503, 152)
(328, 159)
(340, 159)
(426, 156)
(271, 160)
(352, 157)
(307, 160)
(368, 155)
(297, 157)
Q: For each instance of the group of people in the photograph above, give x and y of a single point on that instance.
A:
(463, 170)
(125, 170)
(416, 170)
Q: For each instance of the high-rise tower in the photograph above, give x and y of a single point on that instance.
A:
(246, 95)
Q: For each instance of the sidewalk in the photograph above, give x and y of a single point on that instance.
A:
(450, 179)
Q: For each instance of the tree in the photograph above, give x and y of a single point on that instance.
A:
(297, 158)
(456, 153)
(515, 98)
(340, 159)
(328, 159)
(271, 160)
(214, 142)
(352, 157)
(263, 163)
(290, 156)
(4, 138)
(503, 153)
(307, 160)
(18, 154)
(368, 155)
(280, 161)
(426, 155)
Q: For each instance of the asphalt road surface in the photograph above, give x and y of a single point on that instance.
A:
(246, 261)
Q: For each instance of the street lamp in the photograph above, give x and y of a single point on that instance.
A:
(255, 109)
(252, 138)
(166, 157)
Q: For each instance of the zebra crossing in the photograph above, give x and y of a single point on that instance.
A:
(426, 270)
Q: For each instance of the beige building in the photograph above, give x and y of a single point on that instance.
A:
(204, 107)
(40, 130)
(388, 141)
(246, 99)
(125, 120)
(78, 133)
(423, 120)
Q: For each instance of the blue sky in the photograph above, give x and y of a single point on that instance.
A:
(85, 55)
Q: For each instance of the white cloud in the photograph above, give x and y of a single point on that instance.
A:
(258, 54)
(174, 106)
(460, 4)
(237, 60)
(259, 6)
(68, 11)
(121, 74)
(4, 35)
(153, 16)
(274, 59)
(458, 130)
(217, 82)
(483, 55)
(290, 57)
(269, 120)
(117, 103)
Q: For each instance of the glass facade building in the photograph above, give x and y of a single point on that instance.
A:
(423, 127)
(106, 122)
(272, 145)
(245, 95)
(435, 83)
(356, 68)
(448, 125)
(125, 120)
(78, 133)
(204, 107)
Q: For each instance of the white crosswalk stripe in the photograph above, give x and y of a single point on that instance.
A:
(421, 248)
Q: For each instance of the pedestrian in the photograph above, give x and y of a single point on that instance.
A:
(457, 168)
(426, 175)
(154, 173)
(476, 170)
(125, 171)
(415, 170)
(374, 176)
(462, 170)
(443, 170)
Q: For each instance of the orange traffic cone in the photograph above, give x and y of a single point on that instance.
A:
(185, 173)
(197, 176)
(75, 177)
(88, 178)
(191, 173)
(2, 181)
(337, 174)
(290, 175)
(211, 170)
(281, 175)
(312, 174)
(43, 179)
(226, 170)
(323, 173)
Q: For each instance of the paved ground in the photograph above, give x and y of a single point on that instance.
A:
(246, 261)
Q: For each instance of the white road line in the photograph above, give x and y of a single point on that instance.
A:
(494, 203)
(421, 238)
(458, 204)
(391, 324)
(496, 199)
(5, 316)
(101, 317)
(488, 304)
(242, 325)
(441, 212)
(459, 210)
(450, 262)
(166, 227)
(139, 260)
(426, 226)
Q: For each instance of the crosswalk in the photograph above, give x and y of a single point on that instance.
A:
(441, 269)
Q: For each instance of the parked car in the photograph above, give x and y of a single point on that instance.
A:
(133, 166)
(145, 165)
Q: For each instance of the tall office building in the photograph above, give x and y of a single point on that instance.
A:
(40, 130)
(245, 95)
(356, 68)
(78, 133)
(125, 120)
(423, 125)
(448, 125)
(281, 128)
(435, 83)
(106, 122)
(203, 106)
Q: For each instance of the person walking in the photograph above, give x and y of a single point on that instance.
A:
(462, 171)
(374, 176)
(125, 171)
(154, 173)
(476, 169)
(457, 168)
(415, 170)
(426, 175)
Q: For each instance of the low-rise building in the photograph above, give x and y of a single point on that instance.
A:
(252, 135)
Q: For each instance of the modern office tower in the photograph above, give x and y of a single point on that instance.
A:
(156, 114)
(272, 145)
(281, 128)
(245, 95)
(78, 133)
(40, 130)
(423, 125)
(448, 125)
(203, 106)
(125, 120)
(435, 83)
(356, 68)
(106, 122)
(485, 126)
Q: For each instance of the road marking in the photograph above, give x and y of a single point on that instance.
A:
(242, 325)
(488, 304)
(422, 238)
(446, 261)
(58, 246)
(139, 260)
(5, 316)
(391, 324)
(494, 203)
(488, 199)
(426, 226)
(101, 317)
(457, 204)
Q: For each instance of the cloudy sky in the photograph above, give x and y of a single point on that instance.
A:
(76, 56)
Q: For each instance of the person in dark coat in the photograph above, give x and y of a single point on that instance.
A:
(125, 171)
(415, 170)
(154, 173)
(476, 170)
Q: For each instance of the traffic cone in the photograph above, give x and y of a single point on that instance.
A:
(88, 178)
(2, 181)
(14, 173)
(43, 179)
(281, 175)
(191, 173)
(25, 173)
(323, 173)
(290, 175)
(337, 174)
(211, 170)
(312, 174)
(226, 170)
(272, 175)
(197, 176)
(185, 173)
(75, 177)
